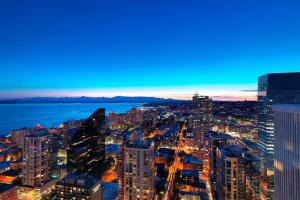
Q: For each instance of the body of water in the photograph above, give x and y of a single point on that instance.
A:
(15, 116)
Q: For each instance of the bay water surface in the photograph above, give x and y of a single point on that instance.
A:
(16, 116)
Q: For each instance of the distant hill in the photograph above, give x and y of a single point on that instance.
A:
(83, 99)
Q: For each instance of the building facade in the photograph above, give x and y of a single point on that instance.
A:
(136, 180)
(214, 141)
(36, 152)
(78, 187)
(279, 88)
(201, 117)
(86, 149)
(238, 174)
(287, 151)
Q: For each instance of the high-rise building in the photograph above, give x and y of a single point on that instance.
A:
(201, 117)
(134, 116)
(278, 88)
(75, 186)
(136, 180)
(86, 148)
(214, 141)
(238, 174)
(287, 148)
(36, 152)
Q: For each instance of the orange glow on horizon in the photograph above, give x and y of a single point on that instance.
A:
(217, 92)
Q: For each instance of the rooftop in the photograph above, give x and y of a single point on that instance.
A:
(83, 181)
(217, 136)
(4, 164)
(191, 160)
(294, 108)
(202, 195)
(109, 190)
(112, 148)
(144, 144)
(5, 187)
(233, 151)
(38, 133)
(12, 173)
(190, 173)
(8, 151)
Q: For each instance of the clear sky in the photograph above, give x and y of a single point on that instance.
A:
(145, 47)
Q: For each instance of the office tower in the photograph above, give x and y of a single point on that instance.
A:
(238, 174)
(201, 117)
(287, 148)
(36, 152)
(75, 186)
(86, 148)
(136, 180)
(281, 88)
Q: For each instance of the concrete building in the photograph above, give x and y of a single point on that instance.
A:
(36, 151)
(17, 136)
(201, 117)
(137, 173)
(214, 141)
(287, 151)
(238, 174)
(76, 186)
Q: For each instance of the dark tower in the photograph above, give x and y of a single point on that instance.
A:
(86, 149)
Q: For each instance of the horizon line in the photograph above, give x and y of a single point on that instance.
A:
(185, 97)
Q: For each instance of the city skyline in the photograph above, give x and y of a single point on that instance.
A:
(167, 150)
(145, 48)
(150, 100)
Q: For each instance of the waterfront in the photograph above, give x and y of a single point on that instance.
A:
(15, 116)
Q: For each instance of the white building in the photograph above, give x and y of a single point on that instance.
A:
(36, 152)
(287, 151)
(137, 180)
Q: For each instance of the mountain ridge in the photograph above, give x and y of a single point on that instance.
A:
(85, 99)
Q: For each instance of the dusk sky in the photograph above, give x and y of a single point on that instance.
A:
(145, 48)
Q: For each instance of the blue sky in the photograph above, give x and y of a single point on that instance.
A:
(157, 48)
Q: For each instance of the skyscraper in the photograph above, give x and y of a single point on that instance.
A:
(287, 148)
(36, 152)
(136, 180)
(280, 88)
(86, 148)
(201, 117)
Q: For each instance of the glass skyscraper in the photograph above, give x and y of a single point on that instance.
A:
(86, 148)
(277, 88)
